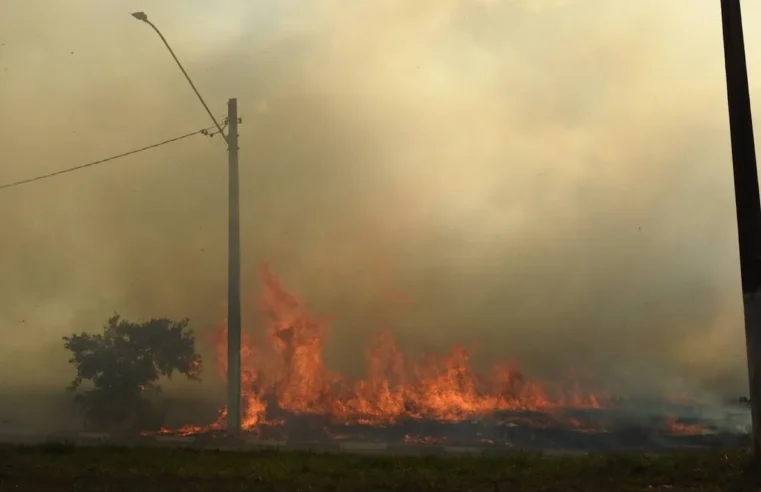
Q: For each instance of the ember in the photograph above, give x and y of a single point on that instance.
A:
(423, 439)
(677, 428)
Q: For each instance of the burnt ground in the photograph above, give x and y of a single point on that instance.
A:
(56, 467)
(525, 430)
(614, 429)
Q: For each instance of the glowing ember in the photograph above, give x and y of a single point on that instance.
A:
(423, 439)
(677, 428)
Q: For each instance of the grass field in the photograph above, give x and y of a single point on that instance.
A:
(58, 468)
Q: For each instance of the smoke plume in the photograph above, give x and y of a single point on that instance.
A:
(545, 181)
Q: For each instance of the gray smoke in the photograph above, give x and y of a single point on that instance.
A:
(548, 182)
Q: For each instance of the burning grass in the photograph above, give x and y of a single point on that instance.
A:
(58, 468)
(289, 393)
(283, 372)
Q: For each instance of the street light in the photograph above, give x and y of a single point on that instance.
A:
(233, 270)
(141, 16)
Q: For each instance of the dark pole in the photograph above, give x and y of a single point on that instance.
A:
(233, 275)
(746, 199)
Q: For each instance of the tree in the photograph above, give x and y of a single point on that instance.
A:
(124, 364)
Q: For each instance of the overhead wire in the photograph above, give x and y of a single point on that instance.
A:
(204, 131)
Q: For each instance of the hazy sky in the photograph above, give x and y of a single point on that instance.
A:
(547, 181)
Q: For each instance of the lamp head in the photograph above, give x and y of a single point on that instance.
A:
(140, 16)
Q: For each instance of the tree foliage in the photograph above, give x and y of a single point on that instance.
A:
(124, 364)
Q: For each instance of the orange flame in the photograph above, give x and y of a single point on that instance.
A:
(676, 428)
(412, 439)
(289, 374)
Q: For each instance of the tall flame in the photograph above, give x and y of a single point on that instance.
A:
(288, 373)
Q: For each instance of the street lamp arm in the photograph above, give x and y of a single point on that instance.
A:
(144, 18)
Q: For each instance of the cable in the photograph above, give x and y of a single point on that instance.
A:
(204, 131)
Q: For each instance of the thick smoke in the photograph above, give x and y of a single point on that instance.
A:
(548, 182)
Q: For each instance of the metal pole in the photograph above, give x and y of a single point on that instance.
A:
(746, 200)
(233, 273)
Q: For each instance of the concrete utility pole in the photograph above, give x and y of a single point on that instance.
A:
(233, 266)
(746, 200)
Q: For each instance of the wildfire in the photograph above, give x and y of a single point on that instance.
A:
(411, 439)
(287, 374)
(676, 428)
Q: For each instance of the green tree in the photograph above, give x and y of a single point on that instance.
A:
(124, 364)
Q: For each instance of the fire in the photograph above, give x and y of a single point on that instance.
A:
(412, 439)
(287, 375)
(676, 428)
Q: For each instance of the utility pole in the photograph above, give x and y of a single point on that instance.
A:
(233, 277)
(746, 200)
(233, 252)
